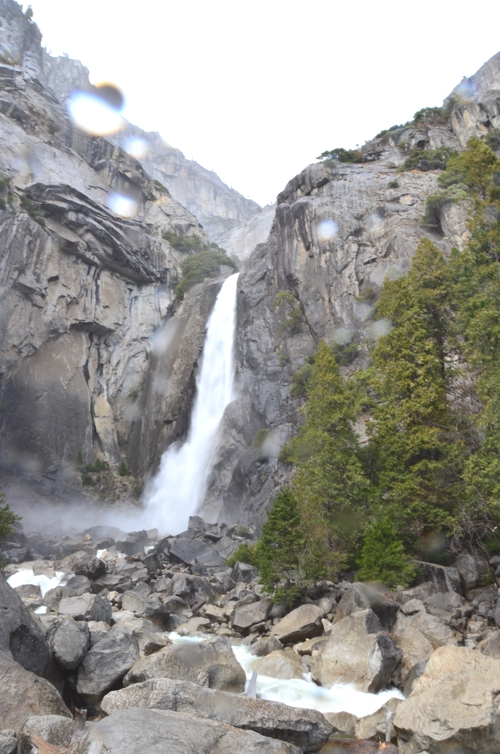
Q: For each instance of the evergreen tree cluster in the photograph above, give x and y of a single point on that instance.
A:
(428, 467)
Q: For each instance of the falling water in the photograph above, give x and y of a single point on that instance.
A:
(178, 489)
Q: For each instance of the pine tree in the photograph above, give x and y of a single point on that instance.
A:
(278, 553)
(7, 520)
(415, 442)
(330, 485)
(383, 557)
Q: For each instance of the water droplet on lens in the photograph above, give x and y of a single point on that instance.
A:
(342, 335)
(136, 147)
(327, 229)
(125, 206)
(97, 111)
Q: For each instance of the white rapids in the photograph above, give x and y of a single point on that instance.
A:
(304, 693)
(179, 486)
(26, 576)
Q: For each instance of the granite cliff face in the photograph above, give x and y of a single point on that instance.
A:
(374, 225)
(83, 289)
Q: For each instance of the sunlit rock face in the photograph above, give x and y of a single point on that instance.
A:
(338, 232)
(86, 277)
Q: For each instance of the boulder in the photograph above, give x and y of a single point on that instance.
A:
(159, 731)
(302, 623)
(413, 645)
(21, 636)
(342, 722)
(215, 614)
(91, 567)
(54, 729)
(359, 596)
(70, 642)
(106, 663)
(245, 616)
(374, 726)
(192, 589)
(156, 612)
(357, 651)
(472, 569)
(265, 646)
(435, 631)
(441, 578)
(54, 596)
(453, 705)
(211, 663)
(78, 585)
(86, 607)
(307, 730)
(190, 551)
(491, 645)
(243, 572)
(98, 630)
(8, 742)
(27, 695)
(282, 663)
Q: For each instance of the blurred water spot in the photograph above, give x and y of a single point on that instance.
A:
(342, 335)
(362, 310)
(271, 445)
(164, 338)
(374, 223)
(125, 206)
(24, 164)
(98, 111)
(327, 229)
(136, 147)
(379, 328)
(393, 272)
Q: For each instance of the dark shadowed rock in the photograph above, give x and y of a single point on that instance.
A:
(70, 642)
(21, 636)
(157, 732)
(361, 596)
(78, 585)
(307, 730)
(189, 551)
(24, 694)
(92, 568)
(472, 569)
(8, 742)
(242, 572)
(192, 589)
(210, 664)
(106, 663)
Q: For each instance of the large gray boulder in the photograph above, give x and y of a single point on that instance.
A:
(472, 569)
(282, 663)
(55, 729)
(302, 623)
(244, 617)
(308, 730)
(8, 742)
(453, 706)
(86, 607)
(211, 663)
(192, 589)
(106, 663)
(361, 596)
(357, 651)
(415, 647)
(21, 636)
(70, 642)
(157, 732)
(24, 694)
(190, 551)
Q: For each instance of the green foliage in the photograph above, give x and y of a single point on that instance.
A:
(8, 519)
(430, 115)
(427, 159)
(88, 480)
(435, 203)
(123, 468)
(244, 553)
(28, 13)
(260, 438)
(345, 353)
(204, 264)
(300, 379)
(393, 185)
(290, 313)
(341, 155)
(383, 559)
(492, 139)
(79, 459)
(279, 551)
(97, 466)
(28, 206)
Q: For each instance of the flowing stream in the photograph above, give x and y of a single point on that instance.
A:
(177, 490)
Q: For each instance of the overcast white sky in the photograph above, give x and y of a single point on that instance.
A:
(256, 90)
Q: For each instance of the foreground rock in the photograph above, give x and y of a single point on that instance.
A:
(156, 732)
(307, 729)
(210, 664)
(70, 642)
(21, 637)
(302, 623)
(453, 706)
(23, 694)
(55, 729)
(357, 651)
(106, 663)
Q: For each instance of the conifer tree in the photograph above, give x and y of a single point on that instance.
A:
(330, 485)
(383, 557)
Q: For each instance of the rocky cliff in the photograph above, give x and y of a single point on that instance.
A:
(339, 230)
(83, 289)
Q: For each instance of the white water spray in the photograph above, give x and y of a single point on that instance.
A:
(178, 489)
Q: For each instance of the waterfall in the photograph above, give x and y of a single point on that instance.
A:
(179, 486)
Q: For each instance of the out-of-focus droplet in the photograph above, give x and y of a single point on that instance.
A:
(362, 311)
(393, 272)
(374, 223)
(379, 328)
(136, 147)
(24, 163)
(97, 111)
(327, 229)
(122, 205)
(342, 335)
